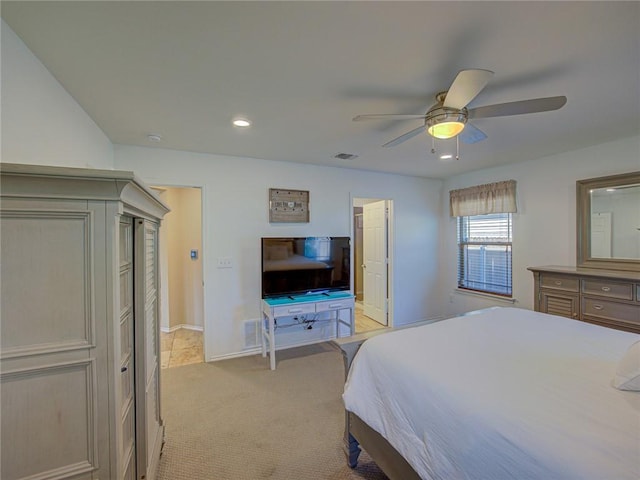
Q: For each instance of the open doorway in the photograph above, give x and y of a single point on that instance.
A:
(372, 262)
(181, 278)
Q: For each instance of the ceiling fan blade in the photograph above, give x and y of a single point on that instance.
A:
(386, 116)
(517, 108)
(405, 137)
(465, 87)
(471, 134)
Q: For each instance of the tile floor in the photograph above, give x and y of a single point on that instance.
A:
(364, 323)
(181, 347)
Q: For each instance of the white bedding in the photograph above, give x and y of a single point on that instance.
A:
(503, 394)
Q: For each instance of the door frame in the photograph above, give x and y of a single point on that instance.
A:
(353, 199)
(202, 254)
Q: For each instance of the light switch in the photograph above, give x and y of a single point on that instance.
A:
(194, 254)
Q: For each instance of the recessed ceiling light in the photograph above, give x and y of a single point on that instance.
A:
(446, 156)
(154, 137)
(241, 122)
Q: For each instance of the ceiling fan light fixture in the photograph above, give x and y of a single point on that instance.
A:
(446, 129)
(445, 122)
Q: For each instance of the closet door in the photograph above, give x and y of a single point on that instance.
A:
(149, 422)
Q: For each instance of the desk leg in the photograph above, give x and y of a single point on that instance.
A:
(263, 332)
(272, 344)
(353, 320)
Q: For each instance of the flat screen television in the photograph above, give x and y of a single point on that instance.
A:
(303, 265)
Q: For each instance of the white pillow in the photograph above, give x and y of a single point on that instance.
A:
(628, 371)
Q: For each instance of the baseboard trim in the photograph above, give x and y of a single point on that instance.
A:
(178, 327)
(229, 356)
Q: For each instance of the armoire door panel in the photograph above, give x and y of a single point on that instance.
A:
(55, 435)
(126, 336)
(48, 306)
(126, 289)
(127, 351)
(149, 423)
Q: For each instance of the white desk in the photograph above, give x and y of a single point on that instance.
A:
(274, 308)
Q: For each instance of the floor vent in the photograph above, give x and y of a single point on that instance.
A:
(251, 333)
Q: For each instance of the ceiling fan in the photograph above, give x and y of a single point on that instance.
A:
(449, 117)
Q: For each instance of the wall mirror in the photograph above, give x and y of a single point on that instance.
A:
(608, 230)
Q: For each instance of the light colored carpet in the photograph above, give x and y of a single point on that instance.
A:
(238, 420)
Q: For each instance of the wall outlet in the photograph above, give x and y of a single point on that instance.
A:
(225, 262)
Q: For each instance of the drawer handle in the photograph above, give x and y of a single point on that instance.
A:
(606, 289)
(335, 305)
(295, 310)
(558, 282)
(598, 307)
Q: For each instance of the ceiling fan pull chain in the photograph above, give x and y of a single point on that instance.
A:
(457, 147)
(433, 144)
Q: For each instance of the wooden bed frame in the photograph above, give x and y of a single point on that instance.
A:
(358, 434)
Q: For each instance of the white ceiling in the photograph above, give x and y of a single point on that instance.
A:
(302, 70)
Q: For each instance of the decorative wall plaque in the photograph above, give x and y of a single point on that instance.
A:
(288, 206)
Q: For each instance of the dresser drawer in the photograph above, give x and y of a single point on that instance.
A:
(334, 305)
(603, 288)
(560, 282)
(288, 310)
(607, 310)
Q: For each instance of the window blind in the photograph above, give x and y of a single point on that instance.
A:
(484, 253)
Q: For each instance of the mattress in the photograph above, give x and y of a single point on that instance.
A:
(506, 393)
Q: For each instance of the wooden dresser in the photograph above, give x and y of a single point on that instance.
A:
(605, 297)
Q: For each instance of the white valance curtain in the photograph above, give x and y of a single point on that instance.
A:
(499, 197)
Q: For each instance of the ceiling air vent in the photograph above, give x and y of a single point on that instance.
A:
(345, 156)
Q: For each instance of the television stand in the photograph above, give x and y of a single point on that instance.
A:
(274, 308)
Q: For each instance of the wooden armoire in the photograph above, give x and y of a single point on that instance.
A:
(79, 327)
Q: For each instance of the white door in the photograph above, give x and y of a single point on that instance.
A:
(374, 252)
(601, 235)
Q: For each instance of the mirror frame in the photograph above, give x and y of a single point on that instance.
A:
(583, 203)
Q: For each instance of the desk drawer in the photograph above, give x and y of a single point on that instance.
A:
(560, 282)
(606, 310)
(288, 310)
(602, 288)
(334, 305)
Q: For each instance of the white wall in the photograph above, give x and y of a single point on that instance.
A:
(41, 123)
(235, 216)
(544, 229)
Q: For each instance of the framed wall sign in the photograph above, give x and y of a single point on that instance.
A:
(288, 206)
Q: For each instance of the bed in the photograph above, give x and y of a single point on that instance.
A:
(501, 394)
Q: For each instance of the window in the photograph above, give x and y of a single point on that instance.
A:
(484, 253)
